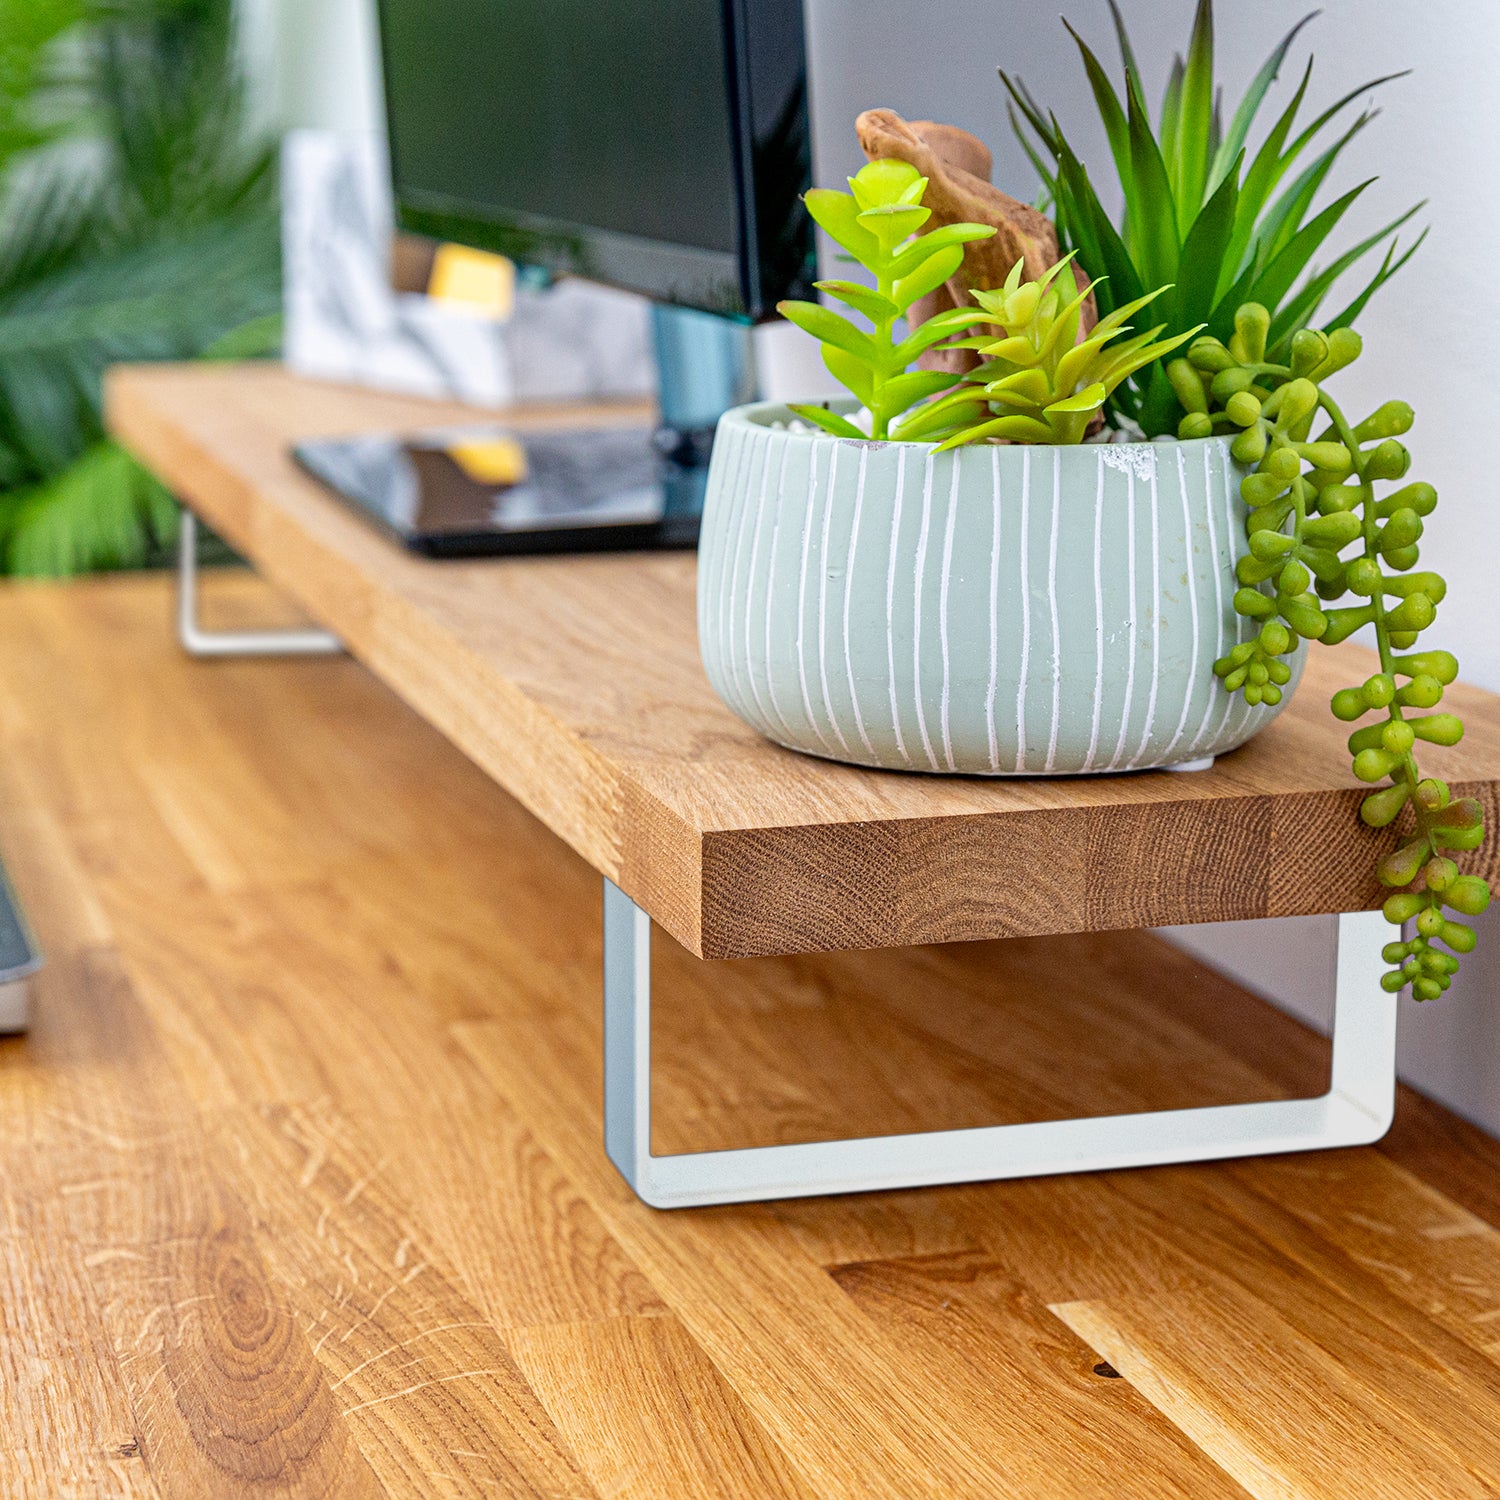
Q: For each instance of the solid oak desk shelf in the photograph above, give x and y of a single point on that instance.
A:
(575, 683)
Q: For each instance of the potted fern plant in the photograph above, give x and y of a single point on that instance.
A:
(1039, 540)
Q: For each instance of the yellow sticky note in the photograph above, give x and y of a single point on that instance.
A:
(475, 280)
(494, 461)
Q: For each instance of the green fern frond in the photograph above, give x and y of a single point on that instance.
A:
(103, 511)
(158, 240)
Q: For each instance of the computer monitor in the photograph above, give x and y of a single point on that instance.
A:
(656, 145)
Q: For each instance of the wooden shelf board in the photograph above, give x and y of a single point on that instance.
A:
(305, 1190)
(575, 683)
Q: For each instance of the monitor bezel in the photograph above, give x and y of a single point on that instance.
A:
(776, 258)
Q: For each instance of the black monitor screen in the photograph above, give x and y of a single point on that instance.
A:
(659, 145)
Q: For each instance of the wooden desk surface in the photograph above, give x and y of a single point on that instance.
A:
(303, 1192)
(575, 682)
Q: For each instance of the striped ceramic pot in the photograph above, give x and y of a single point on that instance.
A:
(999, 611)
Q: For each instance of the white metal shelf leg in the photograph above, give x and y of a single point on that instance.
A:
(1356, 1110)
(197, 641)
(15, 1007)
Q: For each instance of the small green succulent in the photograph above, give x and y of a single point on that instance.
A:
(1039, 382)
(877, 223)
(1319, 532)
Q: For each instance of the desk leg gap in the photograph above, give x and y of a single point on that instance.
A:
(196, 640)
(1356, 1110)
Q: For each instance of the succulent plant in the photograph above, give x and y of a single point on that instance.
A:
(1039, 380)
(1227, 224)
(1318, 533)
(875, 222)
(1318, 530)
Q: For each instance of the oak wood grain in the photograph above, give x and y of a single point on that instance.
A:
(67, 1411)
(968, 1329)
(648, 1413)
(303, 1192)
(575, 683)
(1234, 1395)
(388, 1325)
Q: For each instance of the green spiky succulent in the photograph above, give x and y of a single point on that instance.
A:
(1226, 225)
(1039, 381)
(877, 223)
(1319, 532)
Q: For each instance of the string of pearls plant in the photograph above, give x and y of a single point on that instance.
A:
(1319, 532)
(1325, 523)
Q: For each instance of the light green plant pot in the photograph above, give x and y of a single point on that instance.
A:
(997, 611)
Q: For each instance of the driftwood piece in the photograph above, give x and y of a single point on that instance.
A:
(956, 193)
(957, 166)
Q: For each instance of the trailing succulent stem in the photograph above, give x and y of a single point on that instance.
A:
(1319, 532)
(875, 223)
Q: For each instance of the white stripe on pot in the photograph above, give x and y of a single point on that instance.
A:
(1088, 760)
(807, 529)
(786, 727)
(748, 495)
(1247, 710)
(1140, 750)
(943, 614)
(989, 703)
(1231, 521)
(761, 509)
(916, 611)
(728, 459)
(859, 505)
(1114, 760)
(890, 604)
(1249, 628)
(743, 492)
(833, 722)
(1052, 605)
(1220, 645)
(1187, 536)
(1025, 607)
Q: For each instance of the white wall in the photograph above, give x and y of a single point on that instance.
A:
(1431, 335)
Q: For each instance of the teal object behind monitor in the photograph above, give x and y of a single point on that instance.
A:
(704, 367)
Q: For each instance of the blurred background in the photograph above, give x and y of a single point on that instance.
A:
(139, 199)
(139, 213)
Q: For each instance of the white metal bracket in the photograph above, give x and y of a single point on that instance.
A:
(197, 641)
(20, 958)
(1356, 1110)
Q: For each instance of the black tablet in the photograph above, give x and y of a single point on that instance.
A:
(491, 491)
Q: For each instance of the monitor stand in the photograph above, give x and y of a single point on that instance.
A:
(487, 490)
(704, 366)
